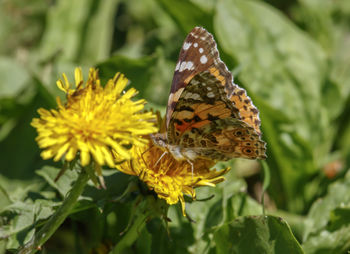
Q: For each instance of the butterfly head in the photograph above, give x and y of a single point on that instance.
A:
(179, 154)
(159, 139)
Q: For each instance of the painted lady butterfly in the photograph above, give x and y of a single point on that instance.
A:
(208, 116)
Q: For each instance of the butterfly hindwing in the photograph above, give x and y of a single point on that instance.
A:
(224, 139)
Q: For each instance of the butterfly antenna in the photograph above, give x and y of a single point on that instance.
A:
(165, 152)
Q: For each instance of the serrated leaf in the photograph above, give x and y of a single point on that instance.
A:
(256, 234)
(22, 218)
(19, 190)
(64, 183)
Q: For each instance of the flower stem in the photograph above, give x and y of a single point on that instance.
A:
(58, 217)
(132, 233)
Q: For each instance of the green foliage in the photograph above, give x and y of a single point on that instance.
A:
(292, 57)
(270, 234)
(327, 223)
(278, 62)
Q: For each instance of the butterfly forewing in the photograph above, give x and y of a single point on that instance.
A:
(199, 53)
(195, 57)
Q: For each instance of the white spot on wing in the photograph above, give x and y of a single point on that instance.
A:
(182, 66)
(211, 95)
(203, 59)
(187, 45)
(209, 88)
(201, 50)
(177, 66)
(195, 82)
(195, 45)
(194, 96)
(189, 66)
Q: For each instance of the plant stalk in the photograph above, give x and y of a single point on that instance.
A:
(58, 217)
(131, 234)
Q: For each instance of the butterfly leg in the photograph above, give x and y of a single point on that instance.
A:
(192, 166)
(144, 153)
(160, 158)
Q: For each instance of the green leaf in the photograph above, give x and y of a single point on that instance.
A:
(19, 141)
(256, 234)
(327, 23)
(343, 137)
(21, 33)
(222, 204)
(266, 183)
(239, 204)
(138, 71)
(327, 242)
(217, 204)
(147, 74)
(13, 190)
(143, 243)
(78, 31)
(339, 217)
(14, 77)
(24, 217)
(174, 237)
(64, 183)
(324, 210)
(187, 14)
(98, 31)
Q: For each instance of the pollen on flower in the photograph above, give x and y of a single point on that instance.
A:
(169, 178)
(97, 123)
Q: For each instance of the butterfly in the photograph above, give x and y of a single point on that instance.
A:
(208, 116)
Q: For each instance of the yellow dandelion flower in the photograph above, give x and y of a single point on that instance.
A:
(98, 122)
(169, 178)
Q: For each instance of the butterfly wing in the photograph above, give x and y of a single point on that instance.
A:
(223, 139)
(198, 54)
(203, 101)
(205, 123)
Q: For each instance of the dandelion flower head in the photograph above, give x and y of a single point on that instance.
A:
(96, 122)
(169, 178)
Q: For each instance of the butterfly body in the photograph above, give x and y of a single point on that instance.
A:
(208, 116)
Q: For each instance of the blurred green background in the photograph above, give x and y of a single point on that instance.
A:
(292, 57)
